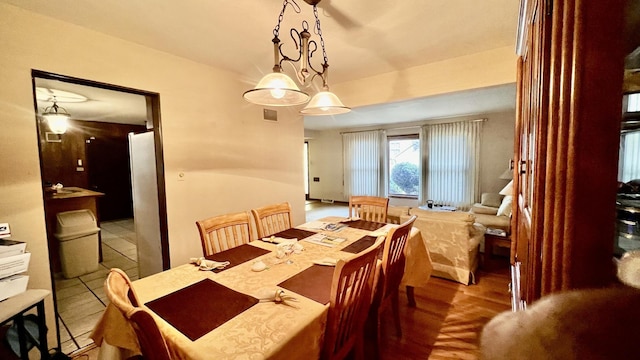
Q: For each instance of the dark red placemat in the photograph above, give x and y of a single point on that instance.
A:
(360, 244)
(294, 233)
(313, 283)
(365, 225)
(201, 307)
(237, 255)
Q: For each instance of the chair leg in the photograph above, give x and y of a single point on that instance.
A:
(410, 297)
(395, 309)
(372, 334)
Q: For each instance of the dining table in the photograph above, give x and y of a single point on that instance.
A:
(236, 313)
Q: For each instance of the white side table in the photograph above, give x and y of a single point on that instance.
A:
(14, 308)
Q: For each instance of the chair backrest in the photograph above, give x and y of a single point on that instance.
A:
(224, 232)
(393, 258)
(271, 219)
(351, 290)
(369, 208)
(151, 341)
(119, 291)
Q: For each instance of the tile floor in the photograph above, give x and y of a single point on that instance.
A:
(82, 300)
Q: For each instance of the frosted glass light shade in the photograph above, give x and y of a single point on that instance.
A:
(325, 103)
(276, 89)
(57, 122)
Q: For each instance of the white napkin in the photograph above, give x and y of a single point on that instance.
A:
(280, 297)
(205, 265)
(277, 240)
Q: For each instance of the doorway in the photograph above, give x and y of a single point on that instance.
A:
(94, 155)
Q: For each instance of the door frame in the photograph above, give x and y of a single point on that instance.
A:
(153, 104)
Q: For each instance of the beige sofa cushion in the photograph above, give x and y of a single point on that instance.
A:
(444, 215)
(505, 207)
(491, 199)
(478, 208)
(494, 222)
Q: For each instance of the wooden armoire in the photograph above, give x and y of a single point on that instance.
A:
(568, 114)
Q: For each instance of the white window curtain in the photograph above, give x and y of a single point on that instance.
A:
(629, 168)
(363, 163)
(452, 153)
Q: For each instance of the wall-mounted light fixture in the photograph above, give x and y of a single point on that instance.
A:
(278, 89)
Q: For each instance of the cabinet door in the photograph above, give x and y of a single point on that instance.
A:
(569, 101)
(531, 126)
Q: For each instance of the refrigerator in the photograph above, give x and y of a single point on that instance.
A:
(144, 189)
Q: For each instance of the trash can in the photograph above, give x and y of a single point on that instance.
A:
(77, 232)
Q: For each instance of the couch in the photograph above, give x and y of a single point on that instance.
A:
(453, 239)
(493, 211)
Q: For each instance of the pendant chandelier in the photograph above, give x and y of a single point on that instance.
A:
(278, 89)
(56, 117)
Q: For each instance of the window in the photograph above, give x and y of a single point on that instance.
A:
(404, 166)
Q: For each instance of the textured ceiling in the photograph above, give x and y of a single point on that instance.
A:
(363, 37)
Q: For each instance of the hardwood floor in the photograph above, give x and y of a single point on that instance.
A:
(448, 318)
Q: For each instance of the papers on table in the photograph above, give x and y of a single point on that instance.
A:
(324, 240)
(324, 225)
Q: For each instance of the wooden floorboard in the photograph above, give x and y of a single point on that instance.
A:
(448, 318)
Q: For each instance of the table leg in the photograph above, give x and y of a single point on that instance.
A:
(22, 338)
(42, 332)
(410, 297)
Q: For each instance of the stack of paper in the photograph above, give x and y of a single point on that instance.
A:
(13, 261)
(324, 240)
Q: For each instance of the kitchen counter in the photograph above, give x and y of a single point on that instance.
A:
(68, 199)
(72, 192)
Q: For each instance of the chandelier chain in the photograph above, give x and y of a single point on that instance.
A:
(296, 8)
(319, 32)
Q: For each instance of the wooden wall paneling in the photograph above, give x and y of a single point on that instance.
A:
(594, 130)
(568, 131)
(540, 121)
(551, 252)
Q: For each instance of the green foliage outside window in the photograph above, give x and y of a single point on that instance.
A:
(405, 179)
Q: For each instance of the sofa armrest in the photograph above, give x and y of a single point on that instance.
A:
(477, 235)
(482, 209)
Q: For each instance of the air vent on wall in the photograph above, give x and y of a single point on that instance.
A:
(270, 114)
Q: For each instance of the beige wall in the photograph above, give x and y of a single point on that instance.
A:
(233, 160)
(484, 69)
(326, 162)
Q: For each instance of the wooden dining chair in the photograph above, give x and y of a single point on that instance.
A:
(271, 219)
(393, 262)
(152, 343)
(118, 288)
(224, 232)
(369, 208)
(350, 302)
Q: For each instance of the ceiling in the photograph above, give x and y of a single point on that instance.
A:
(362, 37)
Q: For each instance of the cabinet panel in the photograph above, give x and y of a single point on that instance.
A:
(569, 95)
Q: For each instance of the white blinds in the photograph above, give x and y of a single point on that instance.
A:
(453, 162)
(362, 163)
